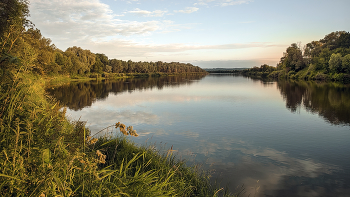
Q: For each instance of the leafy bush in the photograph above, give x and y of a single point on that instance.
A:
(321, 77)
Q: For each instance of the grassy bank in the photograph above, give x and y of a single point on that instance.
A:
(44, 154)
(306, 74)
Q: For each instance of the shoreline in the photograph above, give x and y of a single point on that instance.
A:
(63, 79)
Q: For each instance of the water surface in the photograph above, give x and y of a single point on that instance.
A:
(276, 138)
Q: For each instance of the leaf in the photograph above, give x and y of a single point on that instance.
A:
(46, 156)
(11, 177)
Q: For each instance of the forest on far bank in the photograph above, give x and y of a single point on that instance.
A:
(326, 59)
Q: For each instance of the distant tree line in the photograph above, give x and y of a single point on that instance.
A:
(20, 41)
(263, 70)
(79, 61)
(225, 70)
(328, 58)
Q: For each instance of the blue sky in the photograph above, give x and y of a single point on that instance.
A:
(206, 33)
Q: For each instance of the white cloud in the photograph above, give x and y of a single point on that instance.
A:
(203, 2)
(131, 1)
(145, 13)
(223, 2)
(81, 19)
(235, 2)
(188, 10)
(83, 22)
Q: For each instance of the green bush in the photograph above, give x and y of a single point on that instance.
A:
(338, 77)
(321, 77)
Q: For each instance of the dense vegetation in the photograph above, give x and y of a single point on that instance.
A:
(326, 59)
(42, 153)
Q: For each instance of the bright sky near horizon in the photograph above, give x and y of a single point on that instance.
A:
(206, 33)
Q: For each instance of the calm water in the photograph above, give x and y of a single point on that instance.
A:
(275, 138)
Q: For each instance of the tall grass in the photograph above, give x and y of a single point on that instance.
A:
(44, 154)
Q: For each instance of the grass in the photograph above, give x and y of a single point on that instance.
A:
(44, 154)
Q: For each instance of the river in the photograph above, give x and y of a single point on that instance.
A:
(273, 138)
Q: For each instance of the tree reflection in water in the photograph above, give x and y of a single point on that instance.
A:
(77, 95)
(331, 101)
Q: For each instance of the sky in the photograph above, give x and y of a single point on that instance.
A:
(205, 33)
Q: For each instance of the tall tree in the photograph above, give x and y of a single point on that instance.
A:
(346, 63)
(292, 58)
(81, 59)
(13, 21)
(335, 62)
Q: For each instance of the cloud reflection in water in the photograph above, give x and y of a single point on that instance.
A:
(238, 128)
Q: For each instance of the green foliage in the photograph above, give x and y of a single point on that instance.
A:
(321, 60)
(346, 63)
(101, 64)
(81, 59)
(293, 58)
(13, 21)
(335, 62)
(116, 65)
(320, 52)
(97, 67)
(321, 77)
(338, 77)
(262, 71)
(335, 40)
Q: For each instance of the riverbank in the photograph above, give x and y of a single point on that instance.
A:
(307, 74)
(45, 154)
(63, 79)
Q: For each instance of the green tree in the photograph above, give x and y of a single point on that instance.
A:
(130, 66)
(331, 40)
(293, 58)
(81, 59)
(116, 65)
(13, 21)
(346, 63)
(101, 63)
(98, 66)
(335, 62)
(344, 40)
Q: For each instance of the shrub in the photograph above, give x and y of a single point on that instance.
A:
(321, 77)
(338, 77)
(346, 63)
